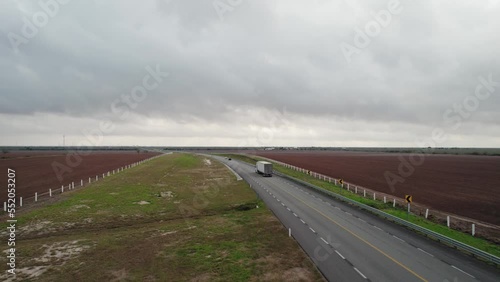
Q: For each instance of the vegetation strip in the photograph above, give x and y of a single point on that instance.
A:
(174, 218)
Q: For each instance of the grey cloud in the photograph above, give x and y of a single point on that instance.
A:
(264, 54)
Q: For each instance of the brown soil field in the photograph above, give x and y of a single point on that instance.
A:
(468, 186)
(35, 172)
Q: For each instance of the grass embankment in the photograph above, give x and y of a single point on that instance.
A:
(478, 243)
(178, 217)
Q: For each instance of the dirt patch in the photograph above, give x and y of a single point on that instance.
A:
(297, 274)
(77, 207)
(39, 227)
(119, 275)
(54, 255)
(202, 278)
(207, 162)
(26, 273)
(142, 203)
(167, 194)
(60, 252)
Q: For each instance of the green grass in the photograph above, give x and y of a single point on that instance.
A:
(476, 242)
(209, 229)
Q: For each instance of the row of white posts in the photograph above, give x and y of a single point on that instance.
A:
(324, 178)
(72, 185)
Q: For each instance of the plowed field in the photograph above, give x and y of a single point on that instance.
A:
(37, 171)
(463, 185)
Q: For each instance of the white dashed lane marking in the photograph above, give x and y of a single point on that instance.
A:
(425, 252)
(340, 254)
(398, 238)
(359, 272)
(463, 271)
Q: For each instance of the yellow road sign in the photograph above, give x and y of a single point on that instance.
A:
(341, 181)
(408, 198)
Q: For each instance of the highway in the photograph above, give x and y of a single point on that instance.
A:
(349, 244)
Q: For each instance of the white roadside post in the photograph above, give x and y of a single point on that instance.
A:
(394, 202)
(448, 221)
(473, 229)
(385, 200)
(356, 189)
(20, 201)
(374, 197)
(81, 182)
(62, 188)
(426, 213)
(36, 196)
(5, 206)
(364, 193)
(72, 185)
(289, 232)
(50, 192)
(89, 180)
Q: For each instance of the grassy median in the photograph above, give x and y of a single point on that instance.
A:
(478, 243)
(179, 217)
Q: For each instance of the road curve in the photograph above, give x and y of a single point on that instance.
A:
(349, 244)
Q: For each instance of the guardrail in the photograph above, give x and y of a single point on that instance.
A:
(442, 238)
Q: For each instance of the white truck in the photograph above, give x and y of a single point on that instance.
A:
(264, 168)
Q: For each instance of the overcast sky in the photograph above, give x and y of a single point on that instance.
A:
(250, 73)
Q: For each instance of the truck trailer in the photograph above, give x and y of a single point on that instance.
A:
(264, 168)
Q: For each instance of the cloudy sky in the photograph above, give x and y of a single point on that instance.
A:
(250, 73)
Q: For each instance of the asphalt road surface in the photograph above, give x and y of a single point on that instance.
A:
(349, 244)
